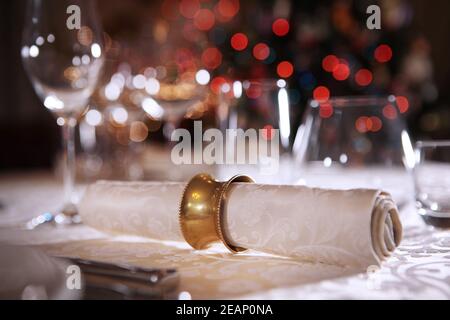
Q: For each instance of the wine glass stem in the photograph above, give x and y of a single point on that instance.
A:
(68, 131)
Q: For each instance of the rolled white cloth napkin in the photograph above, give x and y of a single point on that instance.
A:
(355, 228)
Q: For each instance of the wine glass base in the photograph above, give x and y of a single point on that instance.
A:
(67, 216)
(438, 222)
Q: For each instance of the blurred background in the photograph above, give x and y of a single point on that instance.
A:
(182, 52)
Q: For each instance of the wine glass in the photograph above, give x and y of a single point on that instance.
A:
(356, 142)
(62, 53)
(264, 105)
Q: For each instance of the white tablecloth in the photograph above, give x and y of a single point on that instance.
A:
(420, 268)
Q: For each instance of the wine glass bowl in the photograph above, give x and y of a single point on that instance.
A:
(355, 142)
(63, 64)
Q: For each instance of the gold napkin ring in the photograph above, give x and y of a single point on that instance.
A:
(202, 209)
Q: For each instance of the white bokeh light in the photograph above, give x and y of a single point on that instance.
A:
(139, 81)
(152, 108)
(52, 102)
(50, 38)
(202, 77)
(96, 50)
(34, 51)
(112, 91)
(120, 115)
(152, 86)
(93, 117)
(40, 41)
(327, 162)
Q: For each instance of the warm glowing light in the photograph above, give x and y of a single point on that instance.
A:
(321, 94)
(326, 110)
(341, 72)
(383, 53)
(330, 62)
(363, 77)
(204, 19)
(138, 131)
(239, 41)
(402, 104)
(285, 69)
(280, 27)
(212, 58)
(85, 36)
(188, 8)
(202, 77)
(261, 51)
(390, 112)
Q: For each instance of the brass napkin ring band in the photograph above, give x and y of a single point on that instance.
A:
(202, 210)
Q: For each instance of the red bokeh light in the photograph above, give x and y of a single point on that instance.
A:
(239, 41)
(188, 8)
(285, 69)
(169, 9)
(261, 51)
(402, 104)
(254, 91)
(330, 62)
(228, 8)
(390, 112)
(341, 72)
(321, 94)
(364, 77)
(184, 59)
(268, 132)
(326, 110)
(217, 83)
(383, 53)
(363, 124)
(204, 19)
(212, 58)
(280, 27)
(377, 124)
(190, 32)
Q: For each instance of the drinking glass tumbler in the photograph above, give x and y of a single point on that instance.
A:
(432, 182)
